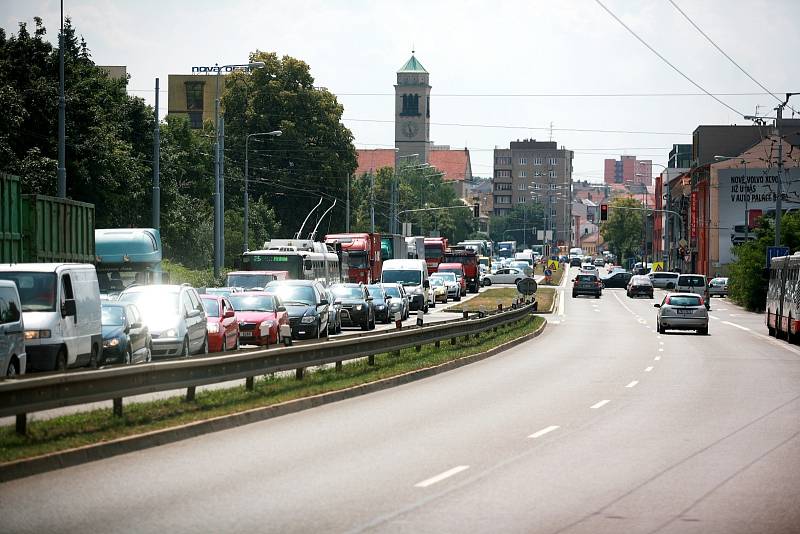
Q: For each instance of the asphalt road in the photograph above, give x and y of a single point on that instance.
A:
(600, 425)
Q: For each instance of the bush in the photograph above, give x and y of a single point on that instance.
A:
(178, 274)
(747, 285)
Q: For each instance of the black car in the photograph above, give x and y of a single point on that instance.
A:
(575, 262)
(618, 279)
(380, 302)
(357, 308)
(306, 301)
(587, 284)
(640, 285)
(126, 339)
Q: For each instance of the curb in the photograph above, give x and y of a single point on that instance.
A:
(99, 451)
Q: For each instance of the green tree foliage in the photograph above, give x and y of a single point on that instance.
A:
(622, 231)
(108, 133)
(748, 275)
(311, 159)
(419, 188)
(529, 216)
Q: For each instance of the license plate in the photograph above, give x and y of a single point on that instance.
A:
(245, 334)
(685, 312)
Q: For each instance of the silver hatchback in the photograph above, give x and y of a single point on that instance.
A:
(682, 311)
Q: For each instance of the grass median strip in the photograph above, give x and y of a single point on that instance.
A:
(491, 297)
(75, 430)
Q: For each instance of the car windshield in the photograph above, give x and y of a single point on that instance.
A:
(249, 280)
(376, 292)
(392, 291)
(37, 291)
(211, 306)
(445, 276)
(586, 278)
(402, 276)
(344, 292)
(436, 282)
(112, 315)
(154, 302)
(291, 294)
(252, 302)
(719, 281)
(683, 300)
(357, 260)
(641, 281)
(691, 281)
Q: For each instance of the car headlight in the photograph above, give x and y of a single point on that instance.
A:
(36, 334)
(395, 305)
(308, 319)
(171, 332)
(358, 307)
(213, 328)
(108, 343)
(380, 307)
(265, 326)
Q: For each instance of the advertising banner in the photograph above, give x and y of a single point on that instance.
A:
(693, 217)
(745, 198)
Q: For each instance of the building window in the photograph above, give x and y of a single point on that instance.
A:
(553, 212)
(502, 161)
(553, 186)
(551, 173)
(195, 119)
(502, 187)
(537, 161)
(523, 161)
(428, 107)
(503, 174)
(410, 106)
(537, 185)
(552, 161)
(552, 199)
(194, 96)
(522, 174)
(520, 200)
(521, 186)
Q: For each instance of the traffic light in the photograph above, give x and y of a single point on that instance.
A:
(603, 212)
(476, 210)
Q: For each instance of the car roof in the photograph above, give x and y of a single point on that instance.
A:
(275, 283)
(114, 304)
(42, 267)
(693, 295)
(168, 288)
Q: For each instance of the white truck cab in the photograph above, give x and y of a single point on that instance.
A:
(61, 312)
(413, 276)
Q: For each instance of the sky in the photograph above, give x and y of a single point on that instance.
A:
(499, 70)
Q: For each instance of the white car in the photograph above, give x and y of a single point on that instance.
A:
(588, 267)
(509, 275)
(451, 283)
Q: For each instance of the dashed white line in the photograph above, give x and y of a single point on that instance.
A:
(544, 431)
(660, 342)
(632, 384)
(660, 350)
(599, 404)
(438, 478)
(648, 369)
(715, 317)
(657, 358)
(740, 327)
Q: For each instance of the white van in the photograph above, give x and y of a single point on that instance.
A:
(694, 283)
(413, 275)
(12, 340)
(526, 256)
(61, 310)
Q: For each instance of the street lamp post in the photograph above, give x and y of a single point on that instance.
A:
(245, 237)
(219, 208)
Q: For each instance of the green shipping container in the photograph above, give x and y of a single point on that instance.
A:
(51, 229)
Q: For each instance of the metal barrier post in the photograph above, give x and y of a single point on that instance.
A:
(22, 424)
(339, 365)
(249, 383)
(190, 391)
(371, 360)
(117, 407)
(298, 373)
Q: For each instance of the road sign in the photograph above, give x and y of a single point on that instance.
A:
(527, 286)
(658, 266)
(552, 264)
(775, 252)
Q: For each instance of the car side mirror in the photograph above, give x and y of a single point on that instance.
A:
(323, 302)
(136, 325)
(337, 303)
(656, 305)
(370, 299)
(281, 308)
(228, 314)
(68, 308)
(426, 284)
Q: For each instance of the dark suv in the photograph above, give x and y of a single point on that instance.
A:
(357, 308)
(587, 284)
(306, 301)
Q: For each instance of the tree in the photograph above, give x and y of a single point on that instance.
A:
(622, 231)
(529, 216)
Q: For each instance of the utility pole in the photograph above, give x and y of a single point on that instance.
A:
(216, 176)
(372, 201)
(222, 192)
(779, 199)
(62, 107)
(156, 169)
(347, 208)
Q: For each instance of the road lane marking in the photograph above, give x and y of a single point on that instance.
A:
(660, 350)
(657, 358)
(740, 327)
(659, 337)
(544, 431)
(442, 476)
(632, 384)
(715, 317)
(660, 342)
(648, 369)
(599, 404)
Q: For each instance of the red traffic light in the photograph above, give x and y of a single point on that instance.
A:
(603, 212)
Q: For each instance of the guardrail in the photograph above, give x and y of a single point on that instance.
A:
(20, 397)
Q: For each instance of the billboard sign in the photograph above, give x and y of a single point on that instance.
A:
(745, 198)
(693, 217)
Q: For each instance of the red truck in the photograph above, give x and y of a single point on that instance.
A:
(435, 248)
(469, 260)
(363, 255)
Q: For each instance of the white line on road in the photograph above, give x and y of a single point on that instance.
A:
(544, 431)
(657, 358)
(660, 342)
(599, 404)
(632, 384)
(438, 478)
(659, 337)
(740, 327)
(715, 317)
(648, 369)
(661, 350)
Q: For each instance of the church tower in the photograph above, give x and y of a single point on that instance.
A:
(412, 113)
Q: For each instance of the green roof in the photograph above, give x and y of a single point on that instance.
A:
(412, 65)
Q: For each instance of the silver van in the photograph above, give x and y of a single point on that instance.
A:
(12, 328)
(694, 283)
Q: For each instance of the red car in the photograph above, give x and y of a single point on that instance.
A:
(261, 316)
(222, 326)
